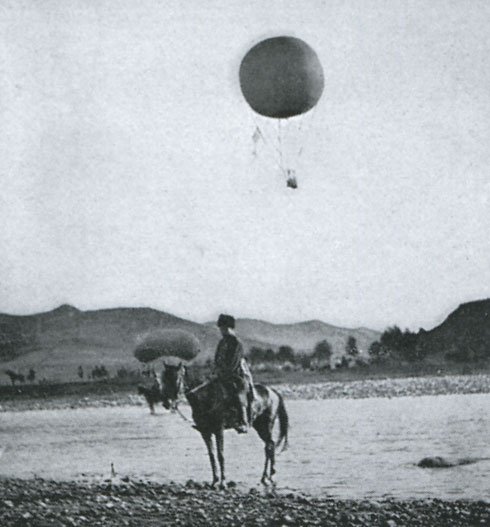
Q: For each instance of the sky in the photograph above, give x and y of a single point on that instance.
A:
(129, 175)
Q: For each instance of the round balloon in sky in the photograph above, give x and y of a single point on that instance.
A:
(281, 77)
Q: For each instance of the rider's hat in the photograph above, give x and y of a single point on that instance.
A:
(226, 321)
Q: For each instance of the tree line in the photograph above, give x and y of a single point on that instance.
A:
(395, 343)
(320, 356)
(414, 347)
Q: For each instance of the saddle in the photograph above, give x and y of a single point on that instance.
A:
(221, 396)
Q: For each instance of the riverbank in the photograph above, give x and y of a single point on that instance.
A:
(397, 387)
(400, 387)
(140, 503)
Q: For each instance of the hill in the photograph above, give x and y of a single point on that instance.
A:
(464, 335)
(302, 336)
(60, 340)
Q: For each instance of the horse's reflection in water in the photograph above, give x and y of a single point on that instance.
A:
(211, 415)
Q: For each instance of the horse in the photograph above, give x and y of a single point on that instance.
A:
(212, 416)
(153, 394)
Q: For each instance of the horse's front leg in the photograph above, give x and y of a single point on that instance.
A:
(209, 445)
(220, 443)
(263, 480)
(271, 450)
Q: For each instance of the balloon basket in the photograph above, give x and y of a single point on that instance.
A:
(292, 183)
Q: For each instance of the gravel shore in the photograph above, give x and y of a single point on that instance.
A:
(138, 503)
(399, 387)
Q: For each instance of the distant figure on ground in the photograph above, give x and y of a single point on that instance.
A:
(14, 377)
(441, 462)
(153, 394)
(231, 370)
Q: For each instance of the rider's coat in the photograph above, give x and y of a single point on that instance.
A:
(228, 358)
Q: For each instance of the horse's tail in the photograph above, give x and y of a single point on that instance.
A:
(283, 424)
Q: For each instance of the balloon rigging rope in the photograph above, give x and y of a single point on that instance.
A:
(305, 130)
(279, 137)
(265, 138)
(268, 142)
(277, 147)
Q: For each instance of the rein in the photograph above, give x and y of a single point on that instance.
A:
(186, 419)
(181, 388)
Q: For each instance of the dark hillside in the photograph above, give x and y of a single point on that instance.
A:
(464, 335)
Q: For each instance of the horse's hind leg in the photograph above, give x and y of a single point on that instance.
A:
(209, 445)
(272, 457)
(264, 430)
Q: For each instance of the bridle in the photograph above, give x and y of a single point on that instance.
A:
(179, 391)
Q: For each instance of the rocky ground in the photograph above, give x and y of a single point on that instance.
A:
(435, 385)
(450, 384)
(138, 503)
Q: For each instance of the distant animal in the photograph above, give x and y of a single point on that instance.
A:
(441, 462)
(14, 377)
(211, 415)
(154, 394)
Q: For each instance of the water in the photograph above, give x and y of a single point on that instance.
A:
(343, 448)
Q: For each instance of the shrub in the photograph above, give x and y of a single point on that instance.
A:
(286, 353)
(305, 361)
(122, 373)
(378, 352)
(351, 347)
(323, 351)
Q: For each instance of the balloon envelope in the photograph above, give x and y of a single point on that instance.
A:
(167, 343)
(281, 77)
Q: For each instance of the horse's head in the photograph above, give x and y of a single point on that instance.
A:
(173, 379)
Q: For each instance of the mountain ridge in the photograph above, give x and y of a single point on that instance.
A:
(66, 336)
(67, 333)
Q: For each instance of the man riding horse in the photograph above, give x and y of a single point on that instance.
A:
(231, 370)
(231, 389)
